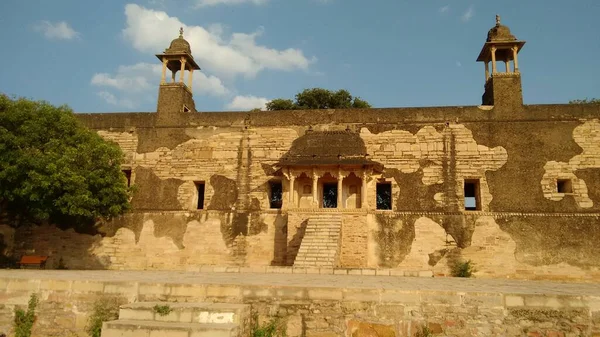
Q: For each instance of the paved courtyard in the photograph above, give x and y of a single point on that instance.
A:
(312, 280)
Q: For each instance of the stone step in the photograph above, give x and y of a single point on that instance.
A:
(217, 313)
(134, 328)
(314, 264)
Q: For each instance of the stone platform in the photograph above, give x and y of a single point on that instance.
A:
(321, 305)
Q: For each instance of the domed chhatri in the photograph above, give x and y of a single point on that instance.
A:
(501, 45)
(179, 45)
(178, 58)
(500, 33)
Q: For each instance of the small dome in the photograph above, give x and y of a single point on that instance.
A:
(500, 33)
(179, 45)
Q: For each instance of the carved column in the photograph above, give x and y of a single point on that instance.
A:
(494, 70)
(515, 60)
(164, 71)
(292, 191)
(339, 189)
(487, 71)
(182, 70)
(190, 79)
(315, 180)
(363, 193)
(507, 63)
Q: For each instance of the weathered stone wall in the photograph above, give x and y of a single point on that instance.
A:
(516, 154)
(163, 241)
(316, 311)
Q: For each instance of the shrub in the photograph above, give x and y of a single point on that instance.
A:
(162, 310)
(424, 332)
(105, 309)
(273, 328)
(24, 319)
(463, 268)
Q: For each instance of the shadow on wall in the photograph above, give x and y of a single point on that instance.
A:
(395, 237)
(294, 244)
(280, 246)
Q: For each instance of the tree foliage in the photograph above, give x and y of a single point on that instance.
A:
(585, 101)
(53, 169)
(318, 98)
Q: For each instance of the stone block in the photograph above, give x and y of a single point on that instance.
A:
(23, 285)
(356, 328)
(405, 297)
(441, 297)
(361, 295)
(55, 285)
(153, 289)
(122, 288)
(197, 291)
(87, 286)
(513, 301)
(291, 293)
(324, 294)
(223, 291)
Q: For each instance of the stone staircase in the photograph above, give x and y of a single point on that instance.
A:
(320, 245)
(182, 320)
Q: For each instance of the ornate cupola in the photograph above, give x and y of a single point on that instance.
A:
(175, 97)
(502, 86)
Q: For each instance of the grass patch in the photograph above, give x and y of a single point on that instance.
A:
(24, 319)
(105, 309)
(273, 328)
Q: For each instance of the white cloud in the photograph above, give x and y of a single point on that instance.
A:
(247, 103)
(468, 14)
(112, 100)
(140, 81)
(59, 30)
(444, 9)
(151, 31)
(206, 3)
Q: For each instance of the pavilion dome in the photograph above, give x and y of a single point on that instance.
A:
(179, 45)
(500, 33)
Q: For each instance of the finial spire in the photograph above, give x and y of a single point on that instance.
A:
(497, 20)
(181, 30)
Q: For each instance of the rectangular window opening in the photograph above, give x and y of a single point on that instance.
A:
(384, 195)
(200, 190)
(472, 202)
(276, 195)
(564, 186)
(127, 173)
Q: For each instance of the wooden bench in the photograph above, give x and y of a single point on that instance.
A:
(32, 261)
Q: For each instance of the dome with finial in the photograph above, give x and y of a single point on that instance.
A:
(500, 33)
(179, 45)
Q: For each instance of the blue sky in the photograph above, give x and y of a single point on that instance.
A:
(98, 56)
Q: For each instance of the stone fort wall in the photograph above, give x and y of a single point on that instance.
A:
(346, 306)
(524, 228)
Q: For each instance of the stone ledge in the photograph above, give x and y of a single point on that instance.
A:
(311, 270)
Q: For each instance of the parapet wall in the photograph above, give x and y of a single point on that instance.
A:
(319, 305)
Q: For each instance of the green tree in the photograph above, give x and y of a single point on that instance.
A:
(585, 101)
(281, 104)
(318, 98)
(54, 170)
